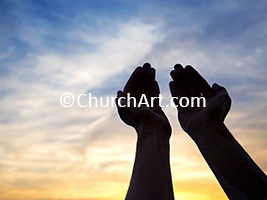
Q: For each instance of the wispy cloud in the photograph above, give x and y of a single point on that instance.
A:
(47, 48)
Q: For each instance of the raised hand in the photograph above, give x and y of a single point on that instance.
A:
(151, 177)
(187, 82)
(237, 173)
(142, 81)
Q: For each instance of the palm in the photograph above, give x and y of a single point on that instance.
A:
(143, 114)
(187, 82)
(142, 81)
(216, 109)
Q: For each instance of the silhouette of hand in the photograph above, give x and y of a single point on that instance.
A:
(187, 82)
(142, 81)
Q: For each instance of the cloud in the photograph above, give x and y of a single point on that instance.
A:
(44, 143)
(50, 48)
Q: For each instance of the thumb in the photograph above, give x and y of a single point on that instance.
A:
(130, 106)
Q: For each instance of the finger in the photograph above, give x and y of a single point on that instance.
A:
(146, 81)
(127, 113)
(147, 66)
(177, 68)
(174, 93)
(149, 89)
(176, 97)
(156, 89)
(149, 86)
(120, 94)
(133, 81)
(156, 101)
(124, 104)
(179, 82)
(200, 82)
(191, 85)
(141, 88)
(218, 89)
(149, 70)
(224, 99)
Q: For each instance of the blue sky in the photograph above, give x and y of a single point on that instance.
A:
(51, 47)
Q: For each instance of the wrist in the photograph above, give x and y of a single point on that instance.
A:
(163, 130)
(154, 135)
(211, 133)
(212, 127)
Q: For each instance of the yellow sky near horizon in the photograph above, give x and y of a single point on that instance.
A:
(47, 48)
(103, 170)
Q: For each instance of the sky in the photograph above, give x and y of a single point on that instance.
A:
(48, 152)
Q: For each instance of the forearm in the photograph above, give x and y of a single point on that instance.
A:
(237, 173)
(151, 177)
